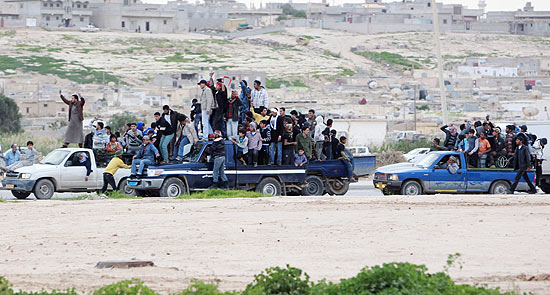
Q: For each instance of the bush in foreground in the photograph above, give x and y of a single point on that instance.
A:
(221, 194)
(388, 279)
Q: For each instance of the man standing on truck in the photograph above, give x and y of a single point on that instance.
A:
(145, 157)
(108, 174)
(217, 151)
(305, 142)
(484, 149)
(522, 162)
(206, 99)
(133, 138)
(75, 130)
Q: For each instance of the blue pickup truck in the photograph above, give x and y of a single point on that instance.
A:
(195, 174)
(428, 176)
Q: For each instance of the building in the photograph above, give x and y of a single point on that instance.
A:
(45, 13)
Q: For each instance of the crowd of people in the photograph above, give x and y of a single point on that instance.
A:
(263, 135)
(486, 146)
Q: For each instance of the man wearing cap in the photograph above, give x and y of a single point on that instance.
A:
(145, 157)
(108, 174)
(277, 129)
(522, 162)
(217, 151)
(452, 166)
(258, 97)
(207, 105)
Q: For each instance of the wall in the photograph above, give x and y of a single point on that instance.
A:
(247, 33)
(362, 132)
(490, 27)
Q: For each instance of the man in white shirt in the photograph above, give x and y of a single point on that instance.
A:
(258, 97)
(206, 98)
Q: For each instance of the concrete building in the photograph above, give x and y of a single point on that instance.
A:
(45, 13)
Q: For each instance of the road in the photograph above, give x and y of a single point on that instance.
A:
(362, 188)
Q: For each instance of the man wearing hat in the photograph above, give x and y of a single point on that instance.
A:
(522, 162)
(452, 166)
(145, 156)
(108, 174)
(207, 105)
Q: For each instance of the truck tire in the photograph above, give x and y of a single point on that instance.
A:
(123, 188)
(269, 187)
(44, 189)
(314, 186)
(545, 187)
(338, 187)
(20, 195)
(500, 187)
(411, 188)
(172, 187)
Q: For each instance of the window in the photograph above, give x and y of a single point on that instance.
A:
(164, 21)
(78, 6)
(57, 18)
(444, 21)
(57, 5)
(45, 105)
(412, 8)
(429, 4)
(28, 110)
(81, 19)
(123, 24)
(85, 6)
(62, 109)
(47, 18)
(45, 4)
(51, 4)
(21, 5)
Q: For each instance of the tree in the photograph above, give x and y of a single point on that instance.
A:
(118, 121)
(10, 119)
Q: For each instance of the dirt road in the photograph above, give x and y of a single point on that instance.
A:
(56, 244)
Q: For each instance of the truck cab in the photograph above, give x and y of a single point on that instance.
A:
(60, 171)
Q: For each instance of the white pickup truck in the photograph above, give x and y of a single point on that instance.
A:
(89, 29)
(60, 171)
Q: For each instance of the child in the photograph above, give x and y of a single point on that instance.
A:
(300, 158)
(242, 146)
(254, 145)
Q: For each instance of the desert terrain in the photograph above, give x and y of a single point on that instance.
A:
(503, 240)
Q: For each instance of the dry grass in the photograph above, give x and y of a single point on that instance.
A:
(43, 144)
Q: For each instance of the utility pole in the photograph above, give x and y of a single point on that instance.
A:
(414, 106)
(439, 62)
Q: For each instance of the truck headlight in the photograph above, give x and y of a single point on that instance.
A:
(25, 176)
(394, 177)
(154, 172)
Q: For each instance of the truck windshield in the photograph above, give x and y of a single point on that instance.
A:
(194, 154)
(428, 160)
(55, 157)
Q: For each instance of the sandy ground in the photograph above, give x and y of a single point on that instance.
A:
(56, 244)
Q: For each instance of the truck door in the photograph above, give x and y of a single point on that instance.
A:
(73, 174)
(441, 180)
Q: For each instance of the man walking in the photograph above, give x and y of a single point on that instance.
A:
(217, 151)
(522, 162)
(207, 104)
(108, 174)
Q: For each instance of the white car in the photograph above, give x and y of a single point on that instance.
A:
(90, 29)
(60, 171)
(410, 156)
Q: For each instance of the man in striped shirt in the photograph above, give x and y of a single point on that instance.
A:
(259, 97)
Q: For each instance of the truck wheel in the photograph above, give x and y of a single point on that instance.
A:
(338, 187)
(544, 186)
(44, 189)
(314, 186)
(269, 187)
(172, 187)
(500, 187)
(123, 187)
(20, 195)
(411, 188)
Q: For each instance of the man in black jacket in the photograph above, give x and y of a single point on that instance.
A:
(277, 129)
(221, 102)
(217, 151)
(232, 114)
(522, 162)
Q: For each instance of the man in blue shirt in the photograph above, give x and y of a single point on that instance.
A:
(13, 156)
(145, 156)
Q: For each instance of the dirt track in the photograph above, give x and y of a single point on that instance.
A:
(56, 244)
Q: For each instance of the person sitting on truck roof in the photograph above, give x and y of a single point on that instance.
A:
(300, 158)
(522, 162)
(145, 157)
(217, 151)
(108, 174)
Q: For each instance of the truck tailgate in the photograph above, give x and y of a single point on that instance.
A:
(364, 165)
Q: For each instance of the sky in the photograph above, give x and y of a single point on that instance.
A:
(492, 5)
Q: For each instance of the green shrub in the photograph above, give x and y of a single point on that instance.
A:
(221, 194)
(128, 287)
(390, 58)
(5, 289)
(280, 281)
(404, 146)
(198, 287)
